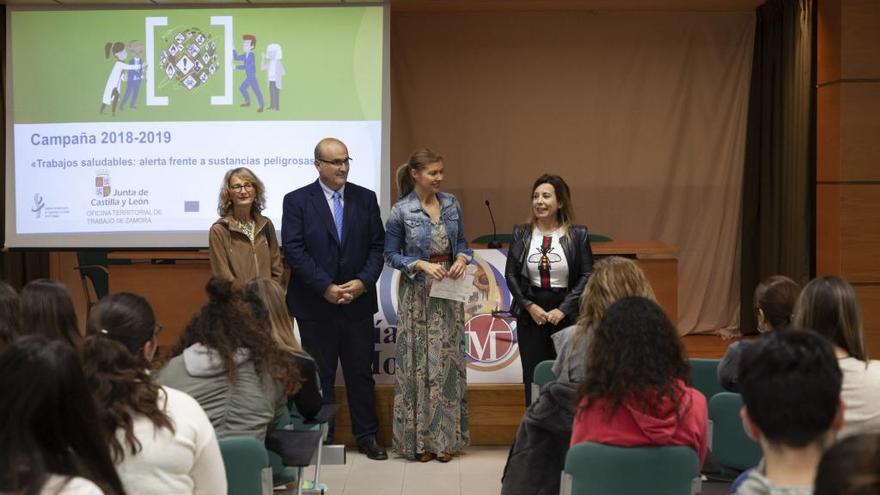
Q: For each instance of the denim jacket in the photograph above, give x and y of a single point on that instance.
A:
(408, 232)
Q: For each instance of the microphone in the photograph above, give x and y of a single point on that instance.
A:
(494, 244)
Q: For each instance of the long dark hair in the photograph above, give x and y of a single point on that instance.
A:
(119, 327)
(10, 314)
(637, 357)
(46, 309)
(829, 306)
(48, 415)
(226, 324)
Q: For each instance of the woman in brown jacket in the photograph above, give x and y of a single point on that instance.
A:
(243, 243)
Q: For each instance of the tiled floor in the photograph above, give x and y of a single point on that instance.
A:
(477, 471)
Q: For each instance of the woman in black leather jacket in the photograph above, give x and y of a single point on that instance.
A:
(548, 264)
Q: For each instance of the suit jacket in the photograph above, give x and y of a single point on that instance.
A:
(316, 258)
(578, 255)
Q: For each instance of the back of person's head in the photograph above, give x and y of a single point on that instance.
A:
(48, 422)
(613, 278)
(790, 383)
(122, 338)
(227, 324)
(46, 309)
(637, 356)
(774, 299)
(850, 467)
(829, 306)
(280, 324)
(10, 314)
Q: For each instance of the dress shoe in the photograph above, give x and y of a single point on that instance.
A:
(371, 448)
(424, 456)
(444, 457)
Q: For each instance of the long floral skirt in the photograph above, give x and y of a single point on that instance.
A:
(430, 390)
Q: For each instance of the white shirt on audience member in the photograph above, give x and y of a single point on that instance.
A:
(555, 255)
(861, 394)
(65, 485)
(185, 462)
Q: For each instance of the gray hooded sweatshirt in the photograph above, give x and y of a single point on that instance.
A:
(247, 407)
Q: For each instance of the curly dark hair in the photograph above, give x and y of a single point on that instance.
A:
(226, 324)
(116, 368)
(636, 356)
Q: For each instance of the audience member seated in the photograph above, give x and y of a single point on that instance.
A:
(10, 314)
(790, 384)
(308, 399)
(613, 278)
(50, 443)
(161, 440)
(829, 306)
(774, 304)
(543, 436)
(635, 392)
(850, 467)
(231, 366)
(46, 309)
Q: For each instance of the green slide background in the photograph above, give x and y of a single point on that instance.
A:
(332, 58)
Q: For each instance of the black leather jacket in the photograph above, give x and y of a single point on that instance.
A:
(578, 255)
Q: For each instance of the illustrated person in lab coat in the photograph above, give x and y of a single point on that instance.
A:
(271, 63)
(114, 80)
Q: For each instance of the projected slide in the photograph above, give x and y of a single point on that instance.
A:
(124, 122)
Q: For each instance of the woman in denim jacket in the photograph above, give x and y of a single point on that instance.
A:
(424, 239)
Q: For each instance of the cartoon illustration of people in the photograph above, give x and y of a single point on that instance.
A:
(249, 42)
(271, 63)
(133, 77)
(114, 80)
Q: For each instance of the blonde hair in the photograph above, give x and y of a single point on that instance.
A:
(280, 323)
(225, 204)
(829, 306)
(613, 278)
(418, 160)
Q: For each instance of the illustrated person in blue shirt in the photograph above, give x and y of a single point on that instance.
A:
(134, 76)
(250, 70)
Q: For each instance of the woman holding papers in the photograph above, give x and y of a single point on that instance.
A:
(548, 264)
(243, 243)
(424, 239)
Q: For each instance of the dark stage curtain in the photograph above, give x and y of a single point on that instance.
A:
(16, 267)
(778, 215)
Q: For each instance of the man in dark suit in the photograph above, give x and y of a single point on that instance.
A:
(332, 237)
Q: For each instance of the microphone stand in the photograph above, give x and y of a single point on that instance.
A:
(494, 244)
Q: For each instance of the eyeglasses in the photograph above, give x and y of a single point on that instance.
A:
(339, 162)
(247, 186)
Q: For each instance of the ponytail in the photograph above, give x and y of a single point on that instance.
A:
(107, 50)
(405, 183)
(120, 325)
(122, 388)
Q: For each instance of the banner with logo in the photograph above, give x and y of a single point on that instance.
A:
(492, 351)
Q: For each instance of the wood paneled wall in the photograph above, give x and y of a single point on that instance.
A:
(848, 151)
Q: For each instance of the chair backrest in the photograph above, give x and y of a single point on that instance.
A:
(93, 265)
(543, 373)
(732, 447)
(247, 465)
(704, 376)
(598, 469)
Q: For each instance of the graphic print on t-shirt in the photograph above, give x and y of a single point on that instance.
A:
(543, 258)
